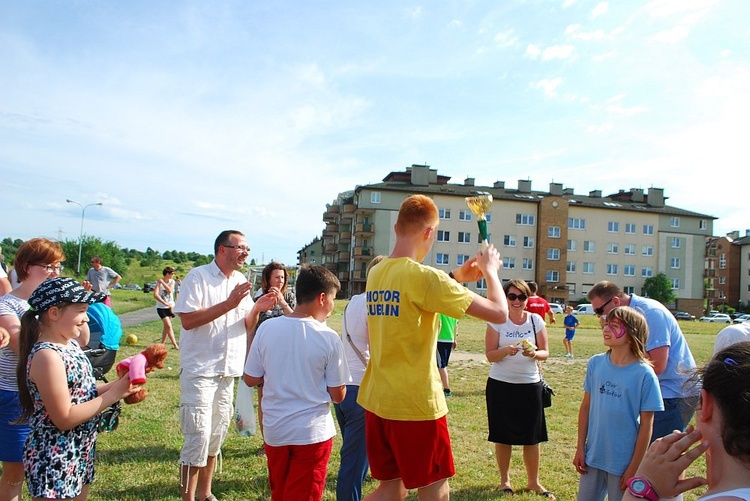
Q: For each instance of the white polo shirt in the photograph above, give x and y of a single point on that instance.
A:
(218, 347)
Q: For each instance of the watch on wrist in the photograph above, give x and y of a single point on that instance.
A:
(641, 488)
(450, 274)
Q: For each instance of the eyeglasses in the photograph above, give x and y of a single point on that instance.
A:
(241, 248)
(600, 310)
(49, 268)
(513, 296)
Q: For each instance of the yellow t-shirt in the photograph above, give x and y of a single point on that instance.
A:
(404, 299)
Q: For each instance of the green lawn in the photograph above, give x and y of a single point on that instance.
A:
(139, 460)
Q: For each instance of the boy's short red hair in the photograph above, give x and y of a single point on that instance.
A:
(416, 213)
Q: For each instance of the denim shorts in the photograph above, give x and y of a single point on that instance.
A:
(12, 436)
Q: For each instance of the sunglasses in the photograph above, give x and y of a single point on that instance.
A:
(513, 296)
(600, 310)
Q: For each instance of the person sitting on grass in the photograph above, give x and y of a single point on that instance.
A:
(301, 363)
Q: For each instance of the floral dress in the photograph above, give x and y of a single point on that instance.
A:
(59, 463)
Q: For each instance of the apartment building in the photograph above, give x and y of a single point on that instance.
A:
(727, 270)
(564, 241)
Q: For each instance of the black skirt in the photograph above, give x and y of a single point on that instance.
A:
(514, 413)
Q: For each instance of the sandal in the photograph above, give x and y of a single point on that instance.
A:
(507, 491)
(547, 494)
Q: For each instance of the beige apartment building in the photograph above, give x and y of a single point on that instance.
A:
(564, 241)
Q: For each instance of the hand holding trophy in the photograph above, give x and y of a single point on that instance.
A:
(480, 204)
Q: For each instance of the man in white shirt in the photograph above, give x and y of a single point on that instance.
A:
(217, 311)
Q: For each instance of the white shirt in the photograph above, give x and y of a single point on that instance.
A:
(218, 347)
(732, 334)
(299, 358)
(356, 327)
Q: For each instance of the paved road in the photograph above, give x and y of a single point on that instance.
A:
(138, 317)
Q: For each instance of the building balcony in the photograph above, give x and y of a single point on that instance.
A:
(330, 248)
(364, 229)
(362, 252)
(343, 256)
(330, 266)
(343, 275)
(345, 236)
(359, 275)
(348, 212)
(332, 213)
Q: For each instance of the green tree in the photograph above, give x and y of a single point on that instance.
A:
(659, 288)
(110, 253)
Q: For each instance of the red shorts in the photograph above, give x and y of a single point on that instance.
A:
(298, 472)
(417, 452)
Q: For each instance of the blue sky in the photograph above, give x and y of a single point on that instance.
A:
(186, 118)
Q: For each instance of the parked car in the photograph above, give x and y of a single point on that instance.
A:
(556, 308)
(148, 286)
(584, 309)
(131, 287)
(721, 318)
(683, 315)
(742, 318)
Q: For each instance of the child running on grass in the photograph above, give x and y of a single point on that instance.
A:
(615, 418)
(59, 395)
(571, 322)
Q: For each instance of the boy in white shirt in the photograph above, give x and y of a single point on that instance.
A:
(302, 366)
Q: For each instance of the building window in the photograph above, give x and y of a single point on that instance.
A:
(443, 236)
(629, 290)
(676, 282)
(464, 237)
(703, 224)
(630, 228)
(553, 254)
(464, 215)
(553, 232)
(647, 271)
(571, 289)
(553, 276)
(722, 295)
(648, 250)
(676, 242)
(611, 269)
(461, 259)
(571, 245)
(528, 263)
(375, 197)
(722, 280)
(576, 223)
(528, 242)
(509, 263)
(648, 229)
(674, 222)
(675, 263)
(509, 241)
(442, 258)
(589, 246)
(628, 270)
(630, 249)
(444, 213)
(613, 248)
(525, 219)
(588, 268)
(481, 284)
(722, 261)
(613, 227)
(570, 266)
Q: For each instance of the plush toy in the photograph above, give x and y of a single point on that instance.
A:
(139, 365)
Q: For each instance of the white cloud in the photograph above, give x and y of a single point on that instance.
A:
(601, 57)
(503, 40)
(557, 52)
(599, 129)
(568, 3)
(533, 51)
(548, 85)
(600, 9)
(669, 8)
(628, 112)
(671, 36)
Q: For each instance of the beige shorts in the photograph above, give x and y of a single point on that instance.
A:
(205, 415)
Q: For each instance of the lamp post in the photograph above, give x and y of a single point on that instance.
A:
(80, 238)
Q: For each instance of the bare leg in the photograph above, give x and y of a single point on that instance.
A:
(439, 491)
(502, 456)
(262, 449)
(206, 478)
(531, 455)
(11, 483)
(392, 490)
(168, 331)
(444, 377)
(189, 475)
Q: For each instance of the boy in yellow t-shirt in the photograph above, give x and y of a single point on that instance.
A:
(407, 434)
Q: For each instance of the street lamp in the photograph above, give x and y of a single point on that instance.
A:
(80, 238)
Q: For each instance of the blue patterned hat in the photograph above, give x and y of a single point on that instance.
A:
(61, 290)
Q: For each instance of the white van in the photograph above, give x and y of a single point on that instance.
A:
(584, 309)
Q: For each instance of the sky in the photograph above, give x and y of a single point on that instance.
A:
(185, 118)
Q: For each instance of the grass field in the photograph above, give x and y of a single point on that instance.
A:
(138, 461)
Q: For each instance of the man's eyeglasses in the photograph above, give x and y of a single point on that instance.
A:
(600, 310)
(513, 296)
(241, 248)
(49, 268)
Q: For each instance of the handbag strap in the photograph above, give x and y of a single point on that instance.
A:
(349, 338)
(538, 362)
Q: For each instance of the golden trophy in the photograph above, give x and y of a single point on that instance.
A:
(480, 204)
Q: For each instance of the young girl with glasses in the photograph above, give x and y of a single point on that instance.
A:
(621, 393)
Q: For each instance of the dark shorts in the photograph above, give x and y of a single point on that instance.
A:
(444, 353)
(165, 312)
(569, 335)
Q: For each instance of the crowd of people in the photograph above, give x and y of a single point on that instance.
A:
(385, 373)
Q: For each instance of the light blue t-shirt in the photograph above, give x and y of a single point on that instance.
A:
(663, 330)
(618, 396)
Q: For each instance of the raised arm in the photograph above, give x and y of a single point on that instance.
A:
(493, 308)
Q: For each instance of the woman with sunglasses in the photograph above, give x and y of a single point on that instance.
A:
(36, 260)
(514, 388)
